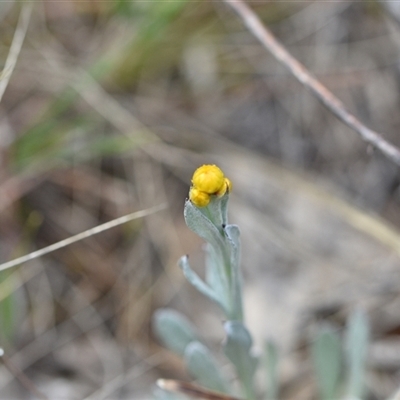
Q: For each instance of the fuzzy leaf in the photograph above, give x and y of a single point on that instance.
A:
(213, 213)
(237, 348)
(174, 330)
(356, 352)
(326, 351)
(215, 276)
(199, 284)
(160, 394)
(233, 241)
(202, 225)
(224, 209)
(271, 366)
(202, 366)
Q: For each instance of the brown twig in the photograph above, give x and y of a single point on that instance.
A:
(267, 39)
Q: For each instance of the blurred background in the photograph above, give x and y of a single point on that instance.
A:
(111, 107)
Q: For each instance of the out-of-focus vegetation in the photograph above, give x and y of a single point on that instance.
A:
(112, 105)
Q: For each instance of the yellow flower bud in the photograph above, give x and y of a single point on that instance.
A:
(198, 198)
(209, 179)
(226, 188)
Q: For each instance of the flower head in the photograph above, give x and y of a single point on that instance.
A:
(208, 180)
(198, 198)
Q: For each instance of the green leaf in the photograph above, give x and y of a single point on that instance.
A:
(174, 330)
(202, 366)
(326, 351)
(357, 337)
(215, 276)
(224, 208)
(200, 285)
(271, 366)
(214, 211)
(237, 348)
(232, 233)
(202, 226)
(160, 394)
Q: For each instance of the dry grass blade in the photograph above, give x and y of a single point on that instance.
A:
(268, 40)
(16, 46)
(81, 236)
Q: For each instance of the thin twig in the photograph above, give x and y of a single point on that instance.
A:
(16, 46)
(26, 382)
(80, 236)
(267, 39)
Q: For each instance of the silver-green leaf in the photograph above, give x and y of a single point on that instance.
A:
(357, 337)
(237, 348)
(202, 366)
(174, 330)
(198, 222)
(199, 284)
(326, 351)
